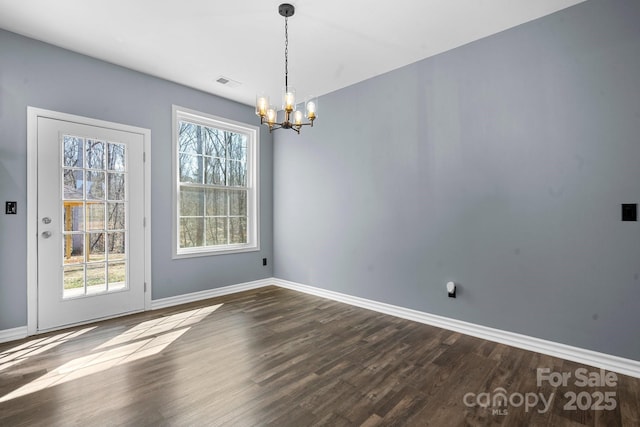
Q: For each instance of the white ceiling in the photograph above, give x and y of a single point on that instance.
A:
(332, 43)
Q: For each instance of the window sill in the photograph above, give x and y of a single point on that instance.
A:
(202, 252)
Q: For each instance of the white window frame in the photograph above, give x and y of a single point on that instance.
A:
(253, 173)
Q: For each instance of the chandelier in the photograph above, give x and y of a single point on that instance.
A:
(292, 116)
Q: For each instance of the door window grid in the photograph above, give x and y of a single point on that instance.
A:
(94, 221)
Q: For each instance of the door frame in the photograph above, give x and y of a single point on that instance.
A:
(33, 114)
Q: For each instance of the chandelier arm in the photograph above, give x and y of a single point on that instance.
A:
(275, 126)
(280, 125)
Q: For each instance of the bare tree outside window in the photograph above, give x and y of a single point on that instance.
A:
(213, 187)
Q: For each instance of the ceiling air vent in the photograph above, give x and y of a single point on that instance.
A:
(226, 81)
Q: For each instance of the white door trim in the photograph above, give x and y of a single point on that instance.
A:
(32, 202)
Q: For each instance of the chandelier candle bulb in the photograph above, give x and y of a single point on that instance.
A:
(312, 107)
(289, 99)
(262, 104)
(297, 118)
(271, 116)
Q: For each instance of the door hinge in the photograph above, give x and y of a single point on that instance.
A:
(144, 156)
(144, 221)
(145, 286)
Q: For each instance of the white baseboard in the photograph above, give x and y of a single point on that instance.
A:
(209, 293)
(13, 334)
(587, 357)
(22, 332)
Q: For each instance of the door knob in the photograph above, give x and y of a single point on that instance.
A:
(46, 234)
(46, 220)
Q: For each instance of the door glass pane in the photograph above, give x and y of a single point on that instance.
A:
(96, 281)
(116, 186)
(95, 247)
(73, 248)
(116, 157)
(73, 184)
(115, 216)
(73, 281)
(95, 185)
(95, 154)
(73, 214)
(117, 275)
(73, 148)
(115, 246)
(94, 214)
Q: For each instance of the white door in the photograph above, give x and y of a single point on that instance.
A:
(90, 213)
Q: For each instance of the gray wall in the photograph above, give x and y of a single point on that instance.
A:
(500, 165)
(40, 75)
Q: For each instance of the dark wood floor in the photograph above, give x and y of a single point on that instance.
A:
(278, 357)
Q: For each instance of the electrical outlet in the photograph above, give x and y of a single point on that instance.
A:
(11, 208)
(629, 212)
(264, 261)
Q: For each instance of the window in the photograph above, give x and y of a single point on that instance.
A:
(216, 185)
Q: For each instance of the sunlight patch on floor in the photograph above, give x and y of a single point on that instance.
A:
(23, 352)
(143, 340)
(160, 326)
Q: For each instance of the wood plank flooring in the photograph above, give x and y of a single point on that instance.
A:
(278, 357)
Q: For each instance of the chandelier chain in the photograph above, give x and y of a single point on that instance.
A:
(286, 53)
